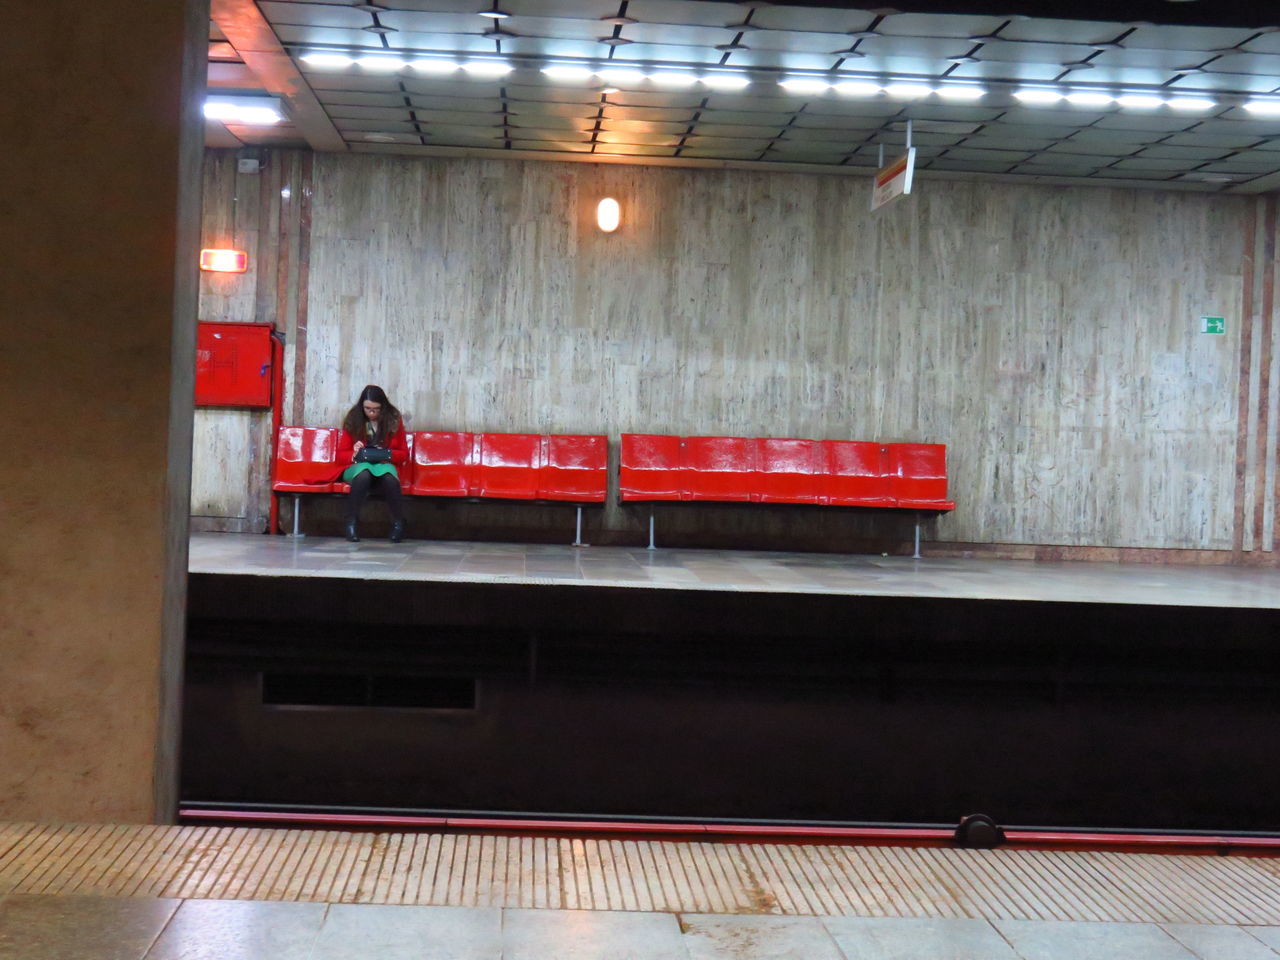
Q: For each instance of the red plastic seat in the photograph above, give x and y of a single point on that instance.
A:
(857, 474)
(509, 465)
(720, 468)
(443, 464)
(301, 454)
(650, 467)
(574, 468)
(918, 475)
(790, 471)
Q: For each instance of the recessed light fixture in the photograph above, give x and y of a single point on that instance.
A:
(804, 85)
(857, 88)
(618, 21)
(673, 78)
(487, 68)
(961, 91)
(1037, 95)
(433, 65)
(493, 13)
(247, 110)
(622, 76)
(567, 71)
(381, 64)
(327, 59)
(1139, 101)
(1088, 98)
(907, 91)
(1264, 108)
(725, 81)
(1191, 103)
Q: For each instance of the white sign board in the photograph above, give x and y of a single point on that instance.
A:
(894, 180)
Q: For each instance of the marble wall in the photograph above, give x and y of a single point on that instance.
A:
(1048, 335)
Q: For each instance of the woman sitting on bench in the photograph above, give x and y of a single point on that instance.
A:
(372, 441)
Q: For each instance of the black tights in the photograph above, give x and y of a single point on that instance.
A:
(364, 483)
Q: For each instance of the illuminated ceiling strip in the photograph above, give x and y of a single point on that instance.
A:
(843, 84)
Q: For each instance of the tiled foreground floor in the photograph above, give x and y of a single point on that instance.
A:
(43, 927)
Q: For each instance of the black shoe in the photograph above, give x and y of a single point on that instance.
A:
(352, 536)
(397, 531)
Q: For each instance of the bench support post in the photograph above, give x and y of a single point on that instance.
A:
(916, 555)
(651, 546)
(297, 516)
(577, 533)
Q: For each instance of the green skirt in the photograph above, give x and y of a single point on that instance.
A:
(377, 469)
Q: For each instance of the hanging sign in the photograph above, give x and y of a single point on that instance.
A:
(894, 180)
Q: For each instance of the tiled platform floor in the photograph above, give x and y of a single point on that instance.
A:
(735, 570)
(104, 892)
(35, 927)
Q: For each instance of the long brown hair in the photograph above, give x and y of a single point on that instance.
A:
(388, 421)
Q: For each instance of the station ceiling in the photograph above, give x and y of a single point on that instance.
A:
(1176, 95)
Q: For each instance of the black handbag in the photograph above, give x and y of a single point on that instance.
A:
(373, 455)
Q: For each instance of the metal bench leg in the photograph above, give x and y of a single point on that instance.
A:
(297, 516)
(577, 533)
(651, 546)
(916, 555)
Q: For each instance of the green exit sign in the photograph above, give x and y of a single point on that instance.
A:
(1213, 324)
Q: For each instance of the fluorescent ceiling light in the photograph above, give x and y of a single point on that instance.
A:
(725, 81)
(327, 59)
(857, 88)
(1139, 101)
(956, 91)
(250, 111)
(625, 76)
(907, 91)
(493, 13)
(487, 68)
(804, 85)
(434, 66)
(1191, 103)
(1088, 98)
(381, 64)
(1266, 108)
(567, 71)
(1037, 95)
(672, 78)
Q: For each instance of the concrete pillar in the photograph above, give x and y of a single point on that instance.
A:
(100, 153)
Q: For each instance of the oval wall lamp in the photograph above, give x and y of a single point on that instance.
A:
(224, 261)
(608, 214)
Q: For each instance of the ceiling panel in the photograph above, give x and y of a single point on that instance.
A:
(995, 134)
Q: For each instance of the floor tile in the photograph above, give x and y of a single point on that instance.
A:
(240, 930)
(893, 938)
(1268, 935)
(1089, 940)
(715, 937)
(591, 935)
(377, 932)
(1209, 942)
(38, 927)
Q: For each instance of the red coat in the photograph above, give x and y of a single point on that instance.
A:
(330, 473)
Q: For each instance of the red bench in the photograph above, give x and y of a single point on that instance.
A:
(839, 473)
(507, 466)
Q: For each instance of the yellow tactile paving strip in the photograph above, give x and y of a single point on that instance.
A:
(633, 874)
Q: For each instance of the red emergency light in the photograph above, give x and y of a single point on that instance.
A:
(224, 261)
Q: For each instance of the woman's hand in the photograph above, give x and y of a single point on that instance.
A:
(356, 448)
